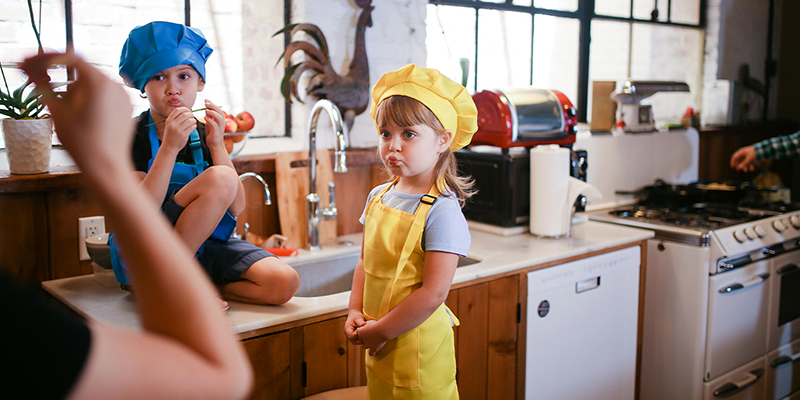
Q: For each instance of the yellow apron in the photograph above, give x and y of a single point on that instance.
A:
(419, 364)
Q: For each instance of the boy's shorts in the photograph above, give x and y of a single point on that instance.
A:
(224, 262)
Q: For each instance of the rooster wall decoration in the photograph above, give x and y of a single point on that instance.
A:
(349, 92)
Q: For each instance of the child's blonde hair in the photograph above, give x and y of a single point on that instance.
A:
(406, 111)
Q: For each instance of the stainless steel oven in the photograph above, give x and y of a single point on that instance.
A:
(721, 300)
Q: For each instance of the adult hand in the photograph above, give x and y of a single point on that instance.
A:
(744, 159)
(215, 126)
(94, 115)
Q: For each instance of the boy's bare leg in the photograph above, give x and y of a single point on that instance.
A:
(267, 281)
(205, 200)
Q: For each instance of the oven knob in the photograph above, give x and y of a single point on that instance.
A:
(760, 231)
(795, 221)
(740, 236)
(779, 226)
(750, 233)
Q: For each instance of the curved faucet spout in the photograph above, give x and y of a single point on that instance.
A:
(267, 194)
(340, 164)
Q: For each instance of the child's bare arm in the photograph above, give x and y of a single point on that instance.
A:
(437, 276)
(215, 131)
(179, 125)
(355, 317)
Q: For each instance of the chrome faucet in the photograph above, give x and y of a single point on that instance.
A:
(340, 165)
(267, 198)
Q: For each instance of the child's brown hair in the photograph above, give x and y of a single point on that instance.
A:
(406, 111)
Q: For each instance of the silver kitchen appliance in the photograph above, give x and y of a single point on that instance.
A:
(722, 295)
(638, 117)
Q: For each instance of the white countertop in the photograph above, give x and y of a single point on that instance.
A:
(498, 255)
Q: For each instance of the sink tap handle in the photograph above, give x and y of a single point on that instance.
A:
(332, 191)
(330, 212)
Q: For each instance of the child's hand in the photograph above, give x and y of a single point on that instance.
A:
(179, 125)
(371, 337)
(215, 126)
(354, 321)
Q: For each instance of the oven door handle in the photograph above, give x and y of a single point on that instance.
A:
(737, 286)
(787, 269)
(730, 388)
(785, 359)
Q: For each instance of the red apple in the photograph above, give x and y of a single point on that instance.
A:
(230, 125)
(245, 121)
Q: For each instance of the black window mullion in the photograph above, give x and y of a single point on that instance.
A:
(533, 35)
(475, 79)
(585, 12)
(69, 35)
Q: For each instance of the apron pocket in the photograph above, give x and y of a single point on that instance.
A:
(397, 363)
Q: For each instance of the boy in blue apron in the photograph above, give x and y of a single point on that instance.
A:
(185, 167)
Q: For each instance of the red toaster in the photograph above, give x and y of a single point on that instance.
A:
(524, 117)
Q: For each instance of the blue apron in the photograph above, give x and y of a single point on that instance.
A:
(181, 175)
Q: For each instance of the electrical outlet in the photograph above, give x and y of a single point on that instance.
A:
(88, 227)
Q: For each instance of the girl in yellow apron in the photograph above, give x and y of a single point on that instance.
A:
(414, 232)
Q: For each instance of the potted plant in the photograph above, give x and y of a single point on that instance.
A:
(26, 130)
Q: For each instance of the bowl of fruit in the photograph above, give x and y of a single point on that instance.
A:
(236, 130)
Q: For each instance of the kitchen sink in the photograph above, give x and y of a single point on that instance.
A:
(334, 274)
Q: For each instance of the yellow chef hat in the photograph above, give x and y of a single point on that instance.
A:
(448, 100)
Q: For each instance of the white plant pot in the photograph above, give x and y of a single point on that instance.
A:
(28, 144)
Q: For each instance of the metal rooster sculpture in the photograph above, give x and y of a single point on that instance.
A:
(349, 92)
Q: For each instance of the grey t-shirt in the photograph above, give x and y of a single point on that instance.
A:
(446, 228)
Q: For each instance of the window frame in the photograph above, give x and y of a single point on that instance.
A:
(585, 15)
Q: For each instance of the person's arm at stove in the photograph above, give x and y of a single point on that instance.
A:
(747, 158)
(186, 348)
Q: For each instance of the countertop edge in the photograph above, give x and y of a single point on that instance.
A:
(112, 306)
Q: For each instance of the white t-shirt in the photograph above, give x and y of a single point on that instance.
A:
(446, 228)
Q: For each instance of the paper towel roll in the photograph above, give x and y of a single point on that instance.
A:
(550, 210)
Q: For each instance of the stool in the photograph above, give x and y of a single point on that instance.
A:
(352, 393)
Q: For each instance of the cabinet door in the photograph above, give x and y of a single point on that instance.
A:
(269, 355)
(486, 346)
(325, 356)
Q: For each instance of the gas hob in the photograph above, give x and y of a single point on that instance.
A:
(728, 229)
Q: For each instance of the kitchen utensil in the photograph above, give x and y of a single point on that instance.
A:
(282, 251)
(291, 177)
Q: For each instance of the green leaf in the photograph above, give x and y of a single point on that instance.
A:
(17, 95)
(9, 113)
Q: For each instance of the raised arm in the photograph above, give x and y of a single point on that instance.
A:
(186, 348)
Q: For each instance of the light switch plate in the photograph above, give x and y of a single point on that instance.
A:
(88, 227)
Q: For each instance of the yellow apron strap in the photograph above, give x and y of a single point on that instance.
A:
(414, 235)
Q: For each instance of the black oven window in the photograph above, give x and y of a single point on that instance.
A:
(789, 308)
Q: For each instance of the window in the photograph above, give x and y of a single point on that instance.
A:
(565, 45)
(99, 28)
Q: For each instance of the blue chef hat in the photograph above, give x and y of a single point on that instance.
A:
(159, 45)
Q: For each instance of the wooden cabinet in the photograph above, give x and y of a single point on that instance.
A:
(39, 239)
(487, 340)
(305, 360)
(314, 358)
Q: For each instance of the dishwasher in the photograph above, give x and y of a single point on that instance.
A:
(582, 328)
